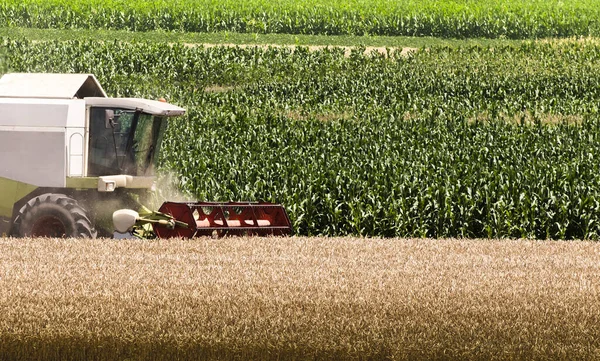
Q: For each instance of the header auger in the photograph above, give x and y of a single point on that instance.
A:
(76, 163)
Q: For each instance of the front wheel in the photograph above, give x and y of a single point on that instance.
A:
(53, 215)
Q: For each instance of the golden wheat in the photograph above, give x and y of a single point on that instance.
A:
(298, 298)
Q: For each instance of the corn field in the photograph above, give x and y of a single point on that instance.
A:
(511, 19)
(497, 141)
(468, 142)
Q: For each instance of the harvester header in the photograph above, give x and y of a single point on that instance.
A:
(221, 219)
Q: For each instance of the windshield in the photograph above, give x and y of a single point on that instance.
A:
(124, 142)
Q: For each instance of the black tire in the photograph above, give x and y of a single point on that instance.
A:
(53, 215)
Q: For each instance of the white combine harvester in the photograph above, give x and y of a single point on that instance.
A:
(72, 158)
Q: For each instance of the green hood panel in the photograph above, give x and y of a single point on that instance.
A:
(82, 182)
(10, 192)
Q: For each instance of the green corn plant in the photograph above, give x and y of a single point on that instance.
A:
(474, 19)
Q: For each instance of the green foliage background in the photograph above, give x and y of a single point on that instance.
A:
(513, 19)
(465, 142)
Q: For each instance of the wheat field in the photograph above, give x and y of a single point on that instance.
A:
(299, 298)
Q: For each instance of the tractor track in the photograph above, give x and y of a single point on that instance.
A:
(348, 49)
(382, 50)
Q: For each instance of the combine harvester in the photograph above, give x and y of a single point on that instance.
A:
(76, 163)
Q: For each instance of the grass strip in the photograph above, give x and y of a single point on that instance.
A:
(244, 38)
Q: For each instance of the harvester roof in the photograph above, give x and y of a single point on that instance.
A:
(153, 107)
(54, 86)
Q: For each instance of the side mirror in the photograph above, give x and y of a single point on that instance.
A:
(110, 119)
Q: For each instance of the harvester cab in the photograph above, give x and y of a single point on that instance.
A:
(73, 158)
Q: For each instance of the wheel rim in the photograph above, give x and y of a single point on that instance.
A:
(48, 226)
